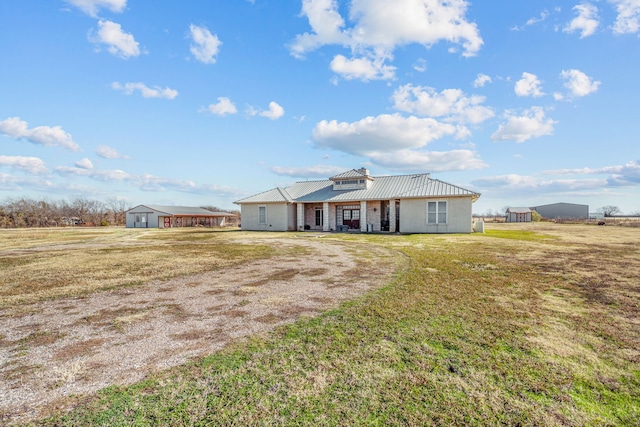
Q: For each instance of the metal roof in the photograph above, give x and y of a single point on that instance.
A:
(353, 173)
(381, 188)
(518, 210)
(183, 210)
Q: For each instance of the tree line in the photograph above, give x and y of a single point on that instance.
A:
(26, 212)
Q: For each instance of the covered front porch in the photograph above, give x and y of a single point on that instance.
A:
(362, 216)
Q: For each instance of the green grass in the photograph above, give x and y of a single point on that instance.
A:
(516, 235)
(462, 336)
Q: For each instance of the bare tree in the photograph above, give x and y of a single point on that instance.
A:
(610, 210)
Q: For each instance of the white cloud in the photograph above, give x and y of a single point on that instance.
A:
(84, 164)
(528, 85)
(531, 124)
(578, 83)
(517, 184)
(118, 42)
(379, 27)
(364, 69)
(48, 136)
(224, 106)
(429, 161)
(205, 45)
(586, 22)
(628, 19)
(452, 104)
(317, 171)
(32, 165)
(532, 21)
(109, 153)
(383, 133)
(326, 23)
(274, 112)
(91, 7)
(146, 92)
(627, 174)
(481, 80)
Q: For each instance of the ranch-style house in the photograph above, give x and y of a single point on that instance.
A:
(355, 200)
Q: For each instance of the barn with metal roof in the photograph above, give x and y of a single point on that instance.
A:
(355, 200)
(157, 216)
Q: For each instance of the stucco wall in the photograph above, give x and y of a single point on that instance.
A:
(278, 217)
(413, 216)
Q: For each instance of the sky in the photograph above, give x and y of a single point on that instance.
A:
(202, 103)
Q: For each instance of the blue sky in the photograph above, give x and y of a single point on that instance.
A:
(203, 103)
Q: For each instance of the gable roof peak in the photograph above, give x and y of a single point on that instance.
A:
(353, 173)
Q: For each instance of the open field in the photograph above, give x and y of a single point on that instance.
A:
(527, 324)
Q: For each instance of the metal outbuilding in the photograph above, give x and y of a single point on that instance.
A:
(519, 215)
(157, 216)
(563, 211)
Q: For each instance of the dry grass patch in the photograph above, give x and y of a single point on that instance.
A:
(78, 349)
(93, 261)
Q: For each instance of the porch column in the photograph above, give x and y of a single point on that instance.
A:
(325, 216)
(363, 215)
(300, 215)
(392, 216)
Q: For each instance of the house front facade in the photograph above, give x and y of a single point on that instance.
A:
(355, 200)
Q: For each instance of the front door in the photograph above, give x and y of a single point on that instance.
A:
(351, 218)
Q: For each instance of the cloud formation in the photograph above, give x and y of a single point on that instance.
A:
(531, 124)
(91, 7)
(481, 80)
(378, 30)
(586, 22)
(578, 83)
(383, 133)
(317, 171)
(31, 165)
(49, 136)
(109, 153)
(528, 85)
(452, 105)
(146, 92)
(205, 45)
(118, 42)
(223, 107)
(628, 19)
(274, 112)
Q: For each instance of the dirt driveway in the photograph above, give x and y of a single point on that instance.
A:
(52, 350)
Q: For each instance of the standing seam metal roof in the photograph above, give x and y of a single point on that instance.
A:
(381, 188)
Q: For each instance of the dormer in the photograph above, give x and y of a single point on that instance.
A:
(355, 179)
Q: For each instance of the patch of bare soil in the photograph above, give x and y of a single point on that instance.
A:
(53, 350)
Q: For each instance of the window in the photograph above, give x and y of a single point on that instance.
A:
(262, 215)
(350, 182)
(436, 212)
(318, 217)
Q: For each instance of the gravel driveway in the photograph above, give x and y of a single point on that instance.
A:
(52, 350)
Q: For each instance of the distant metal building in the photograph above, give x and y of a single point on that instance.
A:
(155, 216)
(563, 211)
(518, 215)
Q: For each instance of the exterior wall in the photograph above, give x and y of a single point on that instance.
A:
(151, 218)
(310, 215)
(413, 216)
(278, 216)
(374, 215)
(291, 217)
(519, 217)
(563, 210)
